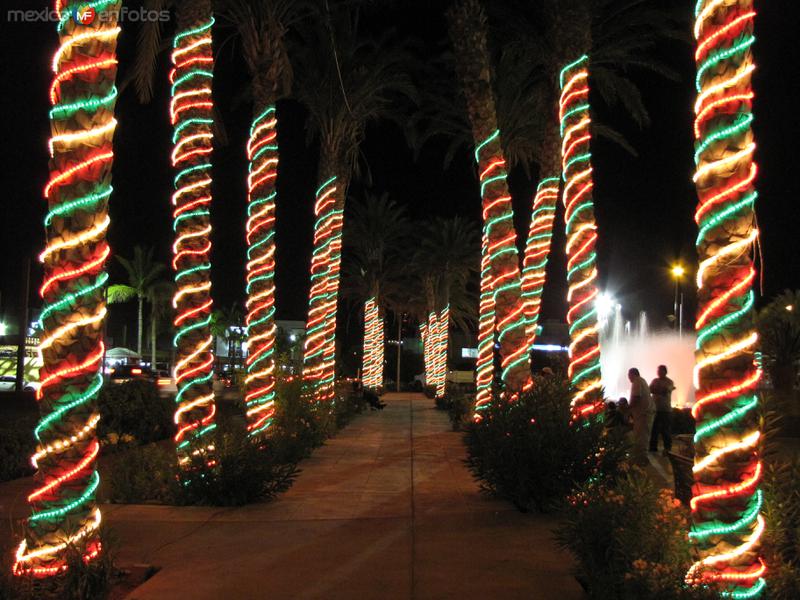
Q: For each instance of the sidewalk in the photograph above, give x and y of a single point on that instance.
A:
(386, 510)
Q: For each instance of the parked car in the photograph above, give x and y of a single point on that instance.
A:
(123, 373)
(166, 384)
(8, 383)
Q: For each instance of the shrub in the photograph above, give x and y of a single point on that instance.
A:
(140, 475)
(458, 406)
(134, 410)
(81, 580)
(782, 536)
(347, 407)
(299, 426)
(629, 540)
(246, 472)
(17, 444)
(529, 453)
(459, 409)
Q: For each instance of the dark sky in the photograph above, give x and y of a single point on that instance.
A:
(644, 204)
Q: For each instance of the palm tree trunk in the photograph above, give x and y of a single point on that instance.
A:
(153, 338)
(64, 513)
(192, 117)
(540, 234)
(484, 365)
(584, 350)
(140, 326)
(372, 361)
(440, 350)
(467, 24)
(319, 369)
(727, 455)
(262, 152)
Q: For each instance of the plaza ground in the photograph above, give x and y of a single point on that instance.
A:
(385, 510)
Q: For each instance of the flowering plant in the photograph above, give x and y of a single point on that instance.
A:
(629, 538)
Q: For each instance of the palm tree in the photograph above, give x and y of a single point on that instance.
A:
(467, 27)
(779, 332)
(262, 27)
(374, 232)
(160, 308)
(447, 257)
(726, 501)
(144, 276)
(226, 324)
(64, 514)
(345, 81)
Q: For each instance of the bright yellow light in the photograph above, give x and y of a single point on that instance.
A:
(790, 307)
(678, 271)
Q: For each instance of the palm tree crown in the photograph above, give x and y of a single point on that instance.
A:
(144, 281)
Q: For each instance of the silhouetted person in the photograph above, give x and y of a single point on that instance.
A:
(373, 400)
(624, 411)
(661, 388)
(643, 413)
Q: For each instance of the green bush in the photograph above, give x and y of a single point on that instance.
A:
(299, 426)
(629, 540)
(347, 407)
(529, 453)
(246, 472)
(134, 411)
(17, 444)
(141, 475)
(459, 409)
(81, 580)
(782, 536)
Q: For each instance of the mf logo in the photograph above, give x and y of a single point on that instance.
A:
(84, 15)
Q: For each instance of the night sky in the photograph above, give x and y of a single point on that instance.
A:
(644, 204)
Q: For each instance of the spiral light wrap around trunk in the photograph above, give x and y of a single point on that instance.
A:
(440, 351)
(262, 152)
(64, 512)
(726, 503)
(428, 331)
(537, 250)
(191, 114)
(484, 365)
(372, 369)
(504, 266)
(576, 164)
(320, 345)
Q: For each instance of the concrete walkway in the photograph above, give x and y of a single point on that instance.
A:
(386, 510)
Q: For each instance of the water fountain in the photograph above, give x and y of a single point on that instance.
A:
(623, 346)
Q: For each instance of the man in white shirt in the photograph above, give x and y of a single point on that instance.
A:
(643, 413)
(661, 389)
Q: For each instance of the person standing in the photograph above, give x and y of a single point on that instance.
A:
(661, 388)
(643, 413)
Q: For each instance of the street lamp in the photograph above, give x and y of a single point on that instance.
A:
(677, 273)
(3, 328)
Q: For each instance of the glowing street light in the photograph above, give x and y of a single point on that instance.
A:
(605, 304)
(3, 328)
(677, 273)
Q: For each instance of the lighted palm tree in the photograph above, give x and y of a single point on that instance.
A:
(447, 257)
(262, 27)
(467, 27)
(192, 117)
(346, 81)
(160, 297)
(375, 252)
(144, 277)
(62, 528)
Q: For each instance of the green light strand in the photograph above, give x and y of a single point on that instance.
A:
(57, 513)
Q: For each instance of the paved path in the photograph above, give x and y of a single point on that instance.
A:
(386, 510)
